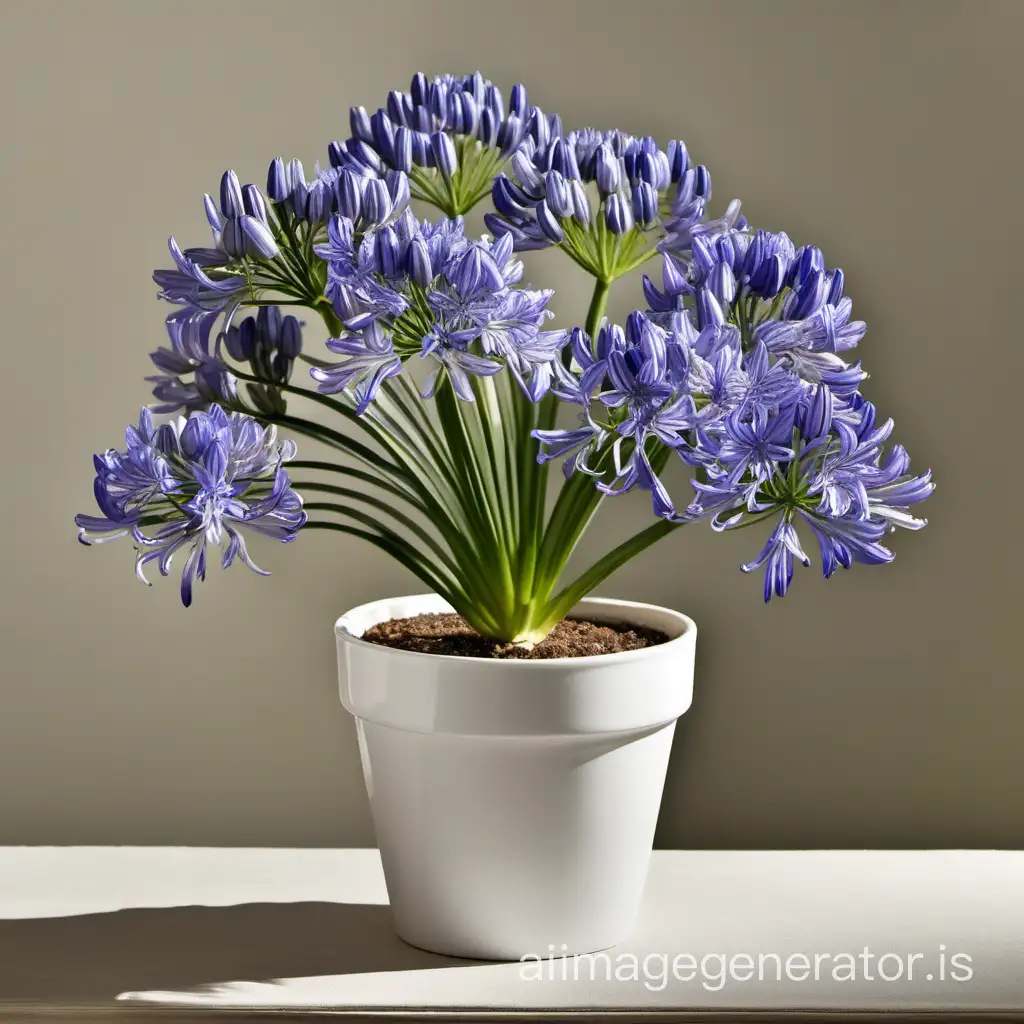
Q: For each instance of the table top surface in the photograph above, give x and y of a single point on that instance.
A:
(783, 932)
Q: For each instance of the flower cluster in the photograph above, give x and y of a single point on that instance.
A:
(194, 484)
(415, 287)
(639, 187)
(208, 285)
(450, 135)
(736, 366)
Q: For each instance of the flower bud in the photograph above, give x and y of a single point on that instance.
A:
(397, 107)
(348, 193)
(319, 202)
(645, 204)
(196, 436)
(617, 215)
(768, 278)
(233, 343)
(422, 154)
(383, 136)
(702, 182)
(230, 195)
(722, 283)
(268, 327)
(213, 214)
(418, 263)
(291, 337)
(300, 200)
(398, 189)
(467, 114)
(487, 129)
(673, 277)
(419, 89)
(277, 181)
(817, 416)
(445, 157)
(260, 237)
(233, 239)
(558, 200)
(709, 312)
(388, 253)
(359, 121)
(540, 129)
(519, 101)
(403, 150)
(376, 202)
(548, 222)
(808, 297)
(677, 159)
(580, 202)
(563, 159)
(607, 171)
(252, 201)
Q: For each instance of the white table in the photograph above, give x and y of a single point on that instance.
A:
(183, 933)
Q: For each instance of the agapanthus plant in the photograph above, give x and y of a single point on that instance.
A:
(447, 379)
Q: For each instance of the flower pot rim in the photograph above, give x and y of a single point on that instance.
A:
(687, 631)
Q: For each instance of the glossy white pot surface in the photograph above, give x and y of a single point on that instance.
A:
(515, 801)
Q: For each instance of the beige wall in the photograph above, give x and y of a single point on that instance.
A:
(883, 708)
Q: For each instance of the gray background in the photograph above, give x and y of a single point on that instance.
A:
(882, 708)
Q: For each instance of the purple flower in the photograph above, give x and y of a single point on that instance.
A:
(544, 202)
(454, 362)
(452, 106)
(371, 360)
(190, 353)
(416, 133)
(777, 558)
(194, 485)
(834, 479)
(755, 447)
(418, 287)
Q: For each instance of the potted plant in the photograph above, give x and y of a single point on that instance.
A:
(514, 731)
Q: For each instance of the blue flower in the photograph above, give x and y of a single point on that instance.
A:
(545, 201)
(194, 485)
(469, 106)
(454, 362)
(832, 477)
(754, 447)
(371, 360)
(633, 385)
(208, 284)
(449, 134)
(190, 353)
(270, 342)
(777, 558)
(422, 288)
(240, 225)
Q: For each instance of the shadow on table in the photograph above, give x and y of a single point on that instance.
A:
(97, 956)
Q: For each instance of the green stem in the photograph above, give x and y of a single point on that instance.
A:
(598, 302)
(579, 498)
(388, 509)
(564, 601)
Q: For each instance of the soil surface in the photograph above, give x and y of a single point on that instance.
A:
(448, 633)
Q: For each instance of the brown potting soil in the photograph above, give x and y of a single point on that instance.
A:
(448, 633)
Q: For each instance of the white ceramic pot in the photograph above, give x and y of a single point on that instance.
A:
(515, 801)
